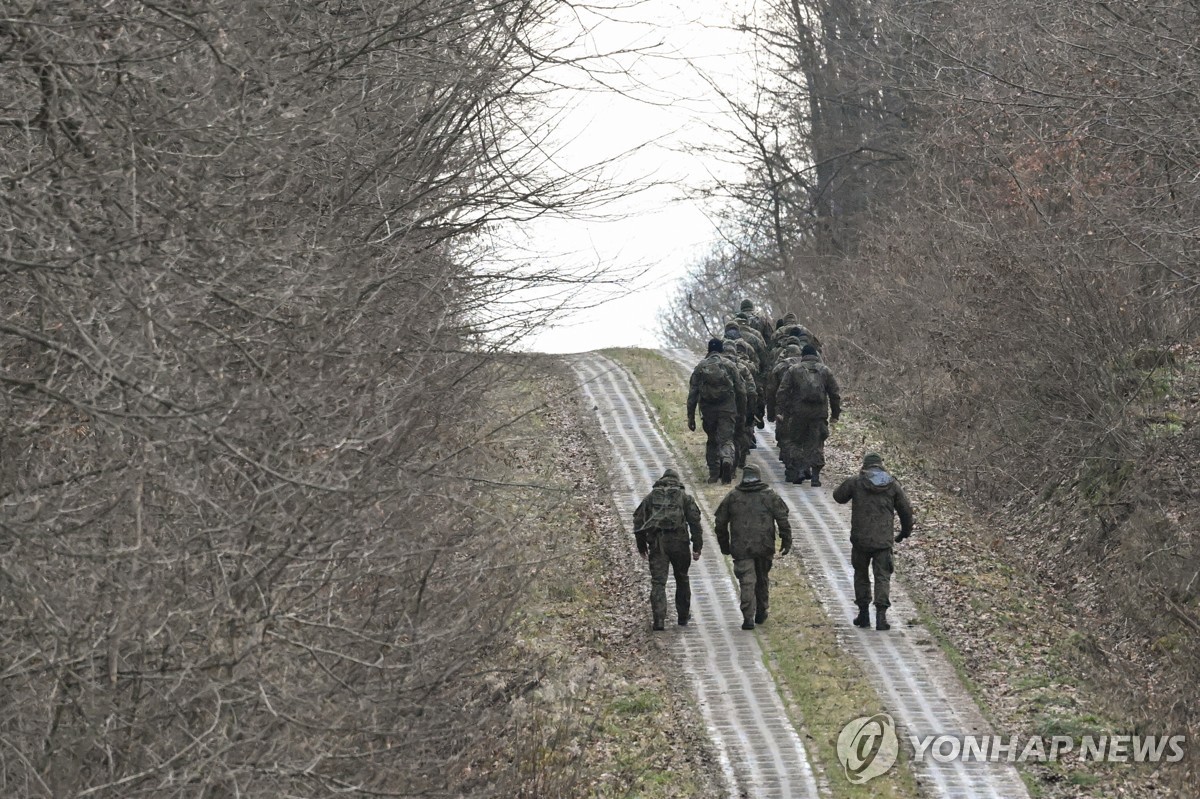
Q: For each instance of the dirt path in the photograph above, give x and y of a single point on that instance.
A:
(761, 753)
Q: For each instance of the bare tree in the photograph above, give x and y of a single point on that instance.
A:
(248, 542)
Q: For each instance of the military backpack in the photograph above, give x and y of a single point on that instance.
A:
(665, 505)
(714, 381)
(807, 383)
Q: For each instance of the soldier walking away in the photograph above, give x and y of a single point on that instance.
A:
(757, 320)
(717, 389)
(660, 525)
(737, 351)
(746, 523)
(807, 400)
(877, 498)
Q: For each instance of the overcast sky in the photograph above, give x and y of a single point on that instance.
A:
(664, 107)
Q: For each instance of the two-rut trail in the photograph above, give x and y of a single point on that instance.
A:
(760, 750)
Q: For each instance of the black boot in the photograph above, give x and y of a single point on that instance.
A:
(881, 622)
(684, 617)
(789, 474)
(863, 619)
(726, 472)
(801, 476)
(747, 625)
(816, 477)
(658, 624)
(760, 616)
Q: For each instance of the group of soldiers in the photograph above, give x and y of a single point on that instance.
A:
(758, 373)
(741, 383)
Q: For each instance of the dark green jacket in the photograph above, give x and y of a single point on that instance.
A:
(746, 521)
(878, 499)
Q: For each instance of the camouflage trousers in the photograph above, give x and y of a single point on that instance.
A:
(880, 562)
(721, 427)
(670, 552)
(804, 446)
(754, 585)
(745, 442)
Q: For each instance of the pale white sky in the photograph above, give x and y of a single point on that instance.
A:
(664, 107)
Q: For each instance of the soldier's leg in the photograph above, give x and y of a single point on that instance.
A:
(861, 561)
(798, 436)
(883, 584)
(762, 588)
(712, 447)
(818, 461)
(680, 553)
(726, 429)
(781, 437)
(660, 564)
(745, 571)
(882, 566)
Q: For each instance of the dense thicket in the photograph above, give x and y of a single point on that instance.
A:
(989, 211)
(243, 344)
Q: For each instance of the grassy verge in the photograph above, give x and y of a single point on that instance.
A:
(825, 687)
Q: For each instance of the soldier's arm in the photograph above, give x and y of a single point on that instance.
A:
(772, 391)
(845, 492)
(693, 396)
(835, 395)
(691, 512)
(721, 526)
(639, 521)
(779, 510)
(739, 388)
(904, 511)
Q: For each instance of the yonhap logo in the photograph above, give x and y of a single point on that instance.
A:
(867, 747)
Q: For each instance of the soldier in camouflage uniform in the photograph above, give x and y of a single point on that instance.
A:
(660, 524)
(738, 353)
(753, 338)
(808, 399)
(716, 388)
(878, 499)
(787, 357)
(746, 522)
(795, 334)
(760, 323)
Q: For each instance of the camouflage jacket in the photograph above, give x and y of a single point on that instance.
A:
(878, 499)
(746, 520)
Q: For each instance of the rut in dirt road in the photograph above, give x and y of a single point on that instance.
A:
(760, 752)
(916, 683)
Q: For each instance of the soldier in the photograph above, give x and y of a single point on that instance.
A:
(795, 333)
(739, 354)
(877, 498)
(660, 526)
(745, 524)
(787, 357)
(717, 388)
(807, 401)
(751, 337)
(760, 323)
